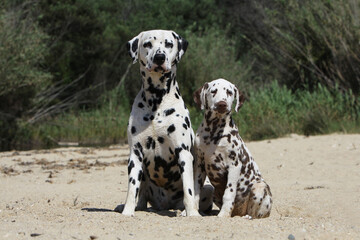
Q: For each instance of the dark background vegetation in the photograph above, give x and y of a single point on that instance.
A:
(65, 75)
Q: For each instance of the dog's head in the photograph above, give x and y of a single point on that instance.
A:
(218, 96)
(157, 50)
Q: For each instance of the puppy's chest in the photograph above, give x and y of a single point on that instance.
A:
(219, 158)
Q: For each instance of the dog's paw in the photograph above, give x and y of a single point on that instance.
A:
(193, 213)
(224, 214)
(125, 211)
(128, 213)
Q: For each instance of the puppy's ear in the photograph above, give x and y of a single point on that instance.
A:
(199, 96)
(182, 45)
(240, 99)
(133, 47)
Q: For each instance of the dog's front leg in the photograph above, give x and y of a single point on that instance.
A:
(135, 173)
(187, 175)
(230, 190)
(199, 179)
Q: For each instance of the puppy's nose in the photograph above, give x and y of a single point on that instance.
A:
(159, 59)
(221, 106)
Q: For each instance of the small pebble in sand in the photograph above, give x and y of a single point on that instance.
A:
(35, 234)
(291, 237)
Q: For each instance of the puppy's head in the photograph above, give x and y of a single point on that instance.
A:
(157, 50)
(218, 96)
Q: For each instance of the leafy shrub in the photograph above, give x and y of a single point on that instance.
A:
(301, 43)
(209, 56)
(22, 51)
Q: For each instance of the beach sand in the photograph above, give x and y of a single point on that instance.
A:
(70, 193)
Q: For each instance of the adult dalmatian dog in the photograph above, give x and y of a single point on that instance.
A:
(222, 155)
(160, 136)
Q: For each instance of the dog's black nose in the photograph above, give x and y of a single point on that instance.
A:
(159, 59)
(221, 106)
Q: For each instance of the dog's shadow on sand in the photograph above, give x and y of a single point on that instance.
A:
(165, 213)
(120, 208)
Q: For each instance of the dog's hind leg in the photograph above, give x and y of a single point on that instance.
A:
(260, 200)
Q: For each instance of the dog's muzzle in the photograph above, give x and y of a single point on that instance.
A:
(221, 107)
(159, 59)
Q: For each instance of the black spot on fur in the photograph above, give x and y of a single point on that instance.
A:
(182, 164)
(133, 130)
(149, 142)
(185, 126)
(137, 153)
(177, 153)
(140, 105)
(138, 146)
(187, 121)
(130, 166)
(134, 45)
(232, 155)
(160, 139)
(169, 111)
(190, 192)
(137, 192)
(140, 175)
(171, 128)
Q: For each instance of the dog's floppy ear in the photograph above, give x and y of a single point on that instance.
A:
(182, 46)
(199, 96)
(240, 99)
(133, 47)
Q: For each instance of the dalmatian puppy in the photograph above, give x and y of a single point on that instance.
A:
(160, 136)
(221, 153)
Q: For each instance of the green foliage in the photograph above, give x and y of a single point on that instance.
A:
(276, 111)
(269, 113)
(106, 124)
(65, 74)
(210, 55)
(22, 51)
(301, 43)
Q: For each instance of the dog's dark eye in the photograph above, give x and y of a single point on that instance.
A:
(214, 92)
(147, 45)
(229, 93)
(169, 44)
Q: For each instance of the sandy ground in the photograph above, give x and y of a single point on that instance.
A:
(69, 193)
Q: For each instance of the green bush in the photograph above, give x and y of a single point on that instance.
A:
(210, 55)
(301, 43)
(106, 124)
(276, 111)
(22, 51)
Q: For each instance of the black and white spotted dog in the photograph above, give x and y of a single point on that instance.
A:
(160, 136)
(221, 153)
